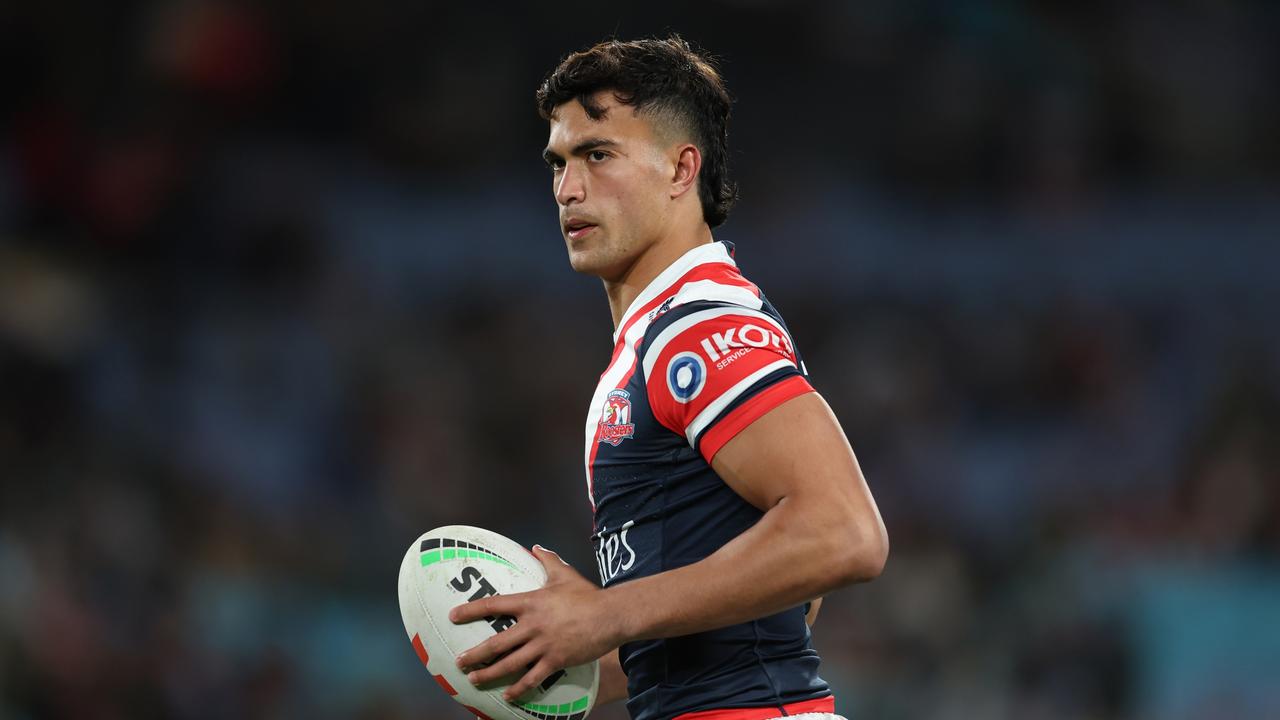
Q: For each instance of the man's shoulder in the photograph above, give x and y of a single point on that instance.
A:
(713, 329)
(728, 289)
(679, 318)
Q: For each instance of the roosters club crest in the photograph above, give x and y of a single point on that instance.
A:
(615, 418)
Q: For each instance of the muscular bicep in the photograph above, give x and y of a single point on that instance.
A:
(795, 464)
(796, 449)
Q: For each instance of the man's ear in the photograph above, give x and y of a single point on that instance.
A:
(688, 163)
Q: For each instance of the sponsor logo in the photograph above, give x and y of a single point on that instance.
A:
(614, 555)
(471, 577)
(728, 360)
(551, 680)
(686, 376)
(615, 418)
(665, 306)
(736, 341)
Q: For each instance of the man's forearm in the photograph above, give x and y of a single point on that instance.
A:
(800, 549)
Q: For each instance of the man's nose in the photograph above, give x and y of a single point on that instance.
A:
(570, 187)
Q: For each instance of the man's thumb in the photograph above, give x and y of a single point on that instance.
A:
(550, 561)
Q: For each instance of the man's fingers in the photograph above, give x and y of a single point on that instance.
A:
(512, 665)
(492, 606)
(531, 679)
(494, 647)
(551, 561)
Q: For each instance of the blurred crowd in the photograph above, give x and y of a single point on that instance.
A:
(281, 288)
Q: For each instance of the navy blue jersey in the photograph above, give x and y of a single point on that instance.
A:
(699, 355)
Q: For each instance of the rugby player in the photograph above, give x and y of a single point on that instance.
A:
(727, 500)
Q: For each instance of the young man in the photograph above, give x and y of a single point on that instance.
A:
(725, 494)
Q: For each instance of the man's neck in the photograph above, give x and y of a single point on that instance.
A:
(648, 266)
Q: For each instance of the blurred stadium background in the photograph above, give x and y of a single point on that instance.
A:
(281, 287)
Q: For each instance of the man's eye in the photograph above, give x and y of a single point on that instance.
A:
(597, 155)
(555, 165)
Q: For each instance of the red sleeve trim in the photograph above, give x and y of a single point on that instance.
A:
(748, 412)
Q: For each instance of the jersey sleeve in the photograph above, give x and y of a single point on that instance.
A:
(711, 370)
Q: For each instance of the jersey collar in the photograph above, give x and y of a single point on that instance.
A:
(712, 252)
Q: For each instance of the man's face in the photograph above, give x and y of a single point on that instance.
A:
(611, 180)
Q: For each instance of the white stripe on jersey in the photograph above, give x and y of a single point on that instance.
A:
(703, 254)
(717, 406)
(609, 382)
(717, 292)
(654, 349)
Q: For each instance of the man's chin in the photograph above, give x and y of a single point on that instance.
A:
(587, 263)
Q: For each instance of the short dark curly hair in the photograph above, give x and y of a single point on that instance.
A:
(665, 78)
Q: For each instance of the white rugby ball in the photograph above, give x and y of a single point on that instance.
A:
(452, 565)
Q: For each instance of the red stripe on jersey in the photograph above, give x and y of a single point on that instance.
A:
(722, 273)
(736, 421)
(726, 358)
(821, 705)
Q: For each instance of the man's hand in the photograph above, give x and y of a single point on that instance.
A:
(565, 623)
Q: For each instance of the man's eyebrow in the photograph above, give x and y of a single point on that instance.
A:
(581, 148)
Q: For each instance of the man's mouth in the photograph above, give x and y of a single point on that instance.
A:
(576, 229)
